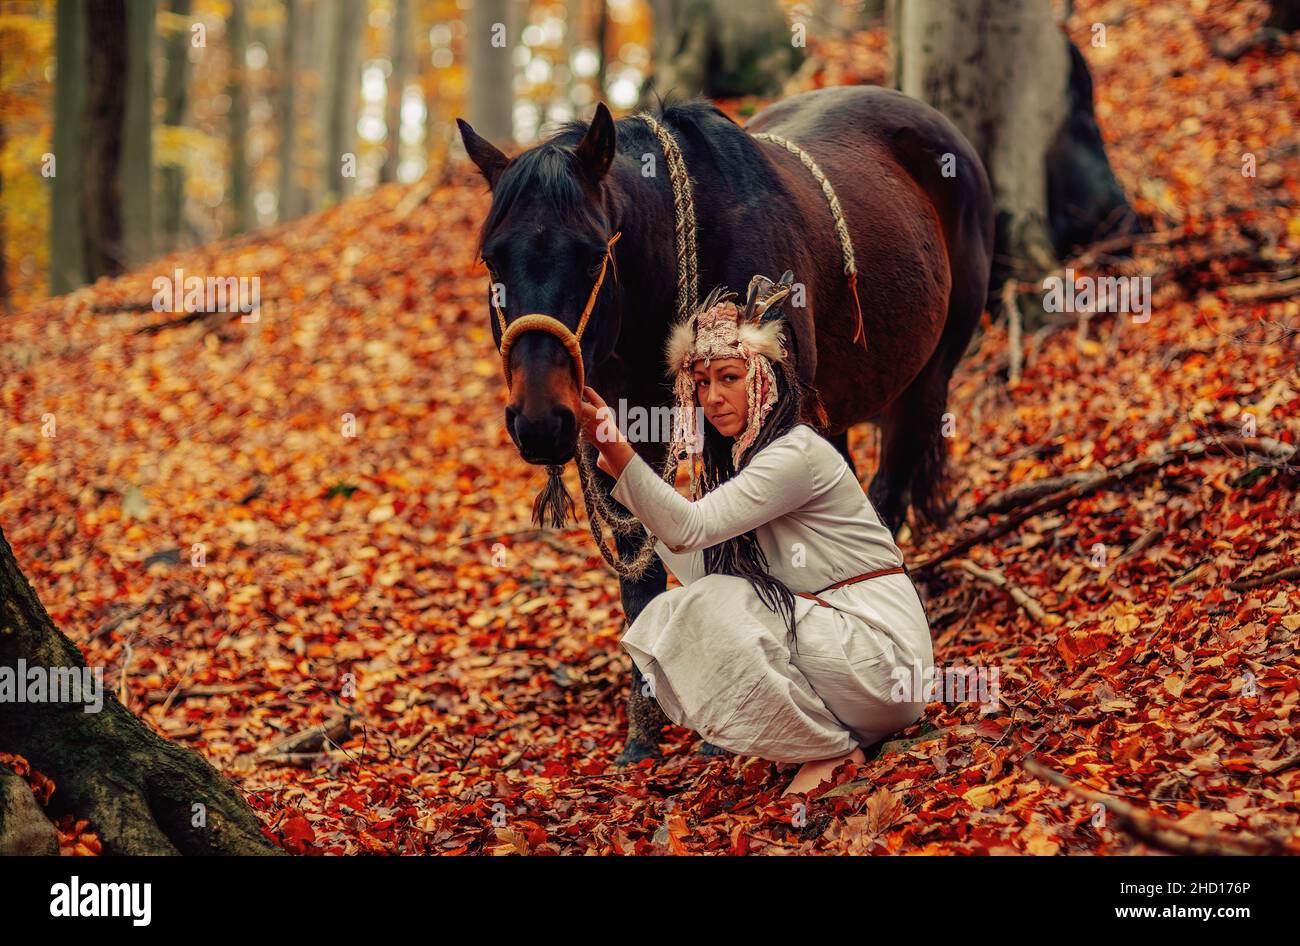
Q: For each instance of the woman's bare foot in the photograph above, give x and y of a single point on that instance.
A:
(812, 774)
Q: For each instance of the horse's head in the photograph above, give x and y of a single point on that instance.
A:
(546, 242)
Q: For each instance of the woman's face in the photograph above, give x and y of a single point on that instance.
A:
(720, 388)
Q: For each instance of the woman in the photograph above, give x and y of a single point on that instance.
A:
(794, 610)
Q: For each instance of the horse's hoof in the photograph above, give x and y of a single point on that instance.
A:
(635, 752)
(708, 748)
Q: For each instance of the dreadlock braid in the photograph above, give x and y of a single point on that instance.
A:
(742, 555)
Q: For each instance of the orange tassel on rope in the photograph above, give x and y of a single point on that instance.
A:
(857, 306)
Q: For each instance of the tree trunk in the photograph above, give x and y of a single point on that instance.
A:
(401, 59)
(1007, 76)
(346, 64)
(491, 73)
(288, 198)
(141, 793)
(174, 94)
(105, 114)
(67, 202)
(4, 268)
(240, 191)
(24, 829)
(720, 49)
(137, 133)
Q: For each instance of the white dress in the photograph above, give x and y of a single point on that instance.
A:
(717, 659)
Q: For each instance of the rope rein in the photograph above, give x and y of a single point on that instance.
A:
(600, 512)
(837, 214)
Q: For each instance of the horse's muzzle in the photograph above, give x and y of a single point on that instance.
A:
(546, 439)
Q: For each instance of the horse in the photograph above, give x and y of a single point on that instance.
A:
(918, 207)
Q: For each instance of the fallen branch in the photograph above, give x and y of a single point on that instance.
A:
(334, 731)
(1025, 493)
(1015, 349)
(1158, 831)
(1262, 291)
(1018, 594)
(1107, 478)
(1245, 584)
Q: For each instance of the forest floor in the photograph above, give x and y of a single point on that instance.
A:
(317, 519)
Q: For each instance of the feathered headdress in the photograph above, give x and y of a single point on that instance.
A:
(722, 329)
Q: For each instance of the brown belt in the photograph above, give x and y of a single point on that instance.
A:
(879, 572)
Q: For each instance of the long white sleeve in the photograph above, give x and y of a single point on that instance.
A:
(776, 481)
(687, 567)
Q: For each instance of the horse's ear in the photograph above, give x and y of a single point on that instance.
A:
(596, 149)
(490, 159)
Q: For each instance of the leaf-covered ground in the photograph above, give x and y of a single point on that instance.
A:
(390, 575)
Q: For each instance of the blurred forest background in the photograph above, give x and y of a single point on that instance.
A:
(134, 128)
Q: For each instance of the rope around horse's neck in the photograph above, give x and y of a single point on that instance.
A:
(599, 512)
(688, 276)
(837, 214)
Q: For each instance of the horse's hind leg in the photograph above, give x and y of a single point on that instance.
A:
(913, 453)
(915, 429)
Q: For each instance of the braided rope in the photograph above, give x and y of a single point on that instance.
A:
(837, 214)
(599, 512)
(688, 277)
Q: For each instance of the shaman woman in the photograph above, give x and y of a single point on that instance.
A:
(794, 608)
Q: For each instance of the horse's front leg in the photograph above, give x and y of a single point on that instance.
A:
(645, 720)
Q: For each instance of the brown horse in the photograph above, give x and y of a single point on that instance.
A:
(919, 210)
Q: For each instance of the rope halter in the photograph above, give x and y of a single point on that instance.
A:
(541, 322)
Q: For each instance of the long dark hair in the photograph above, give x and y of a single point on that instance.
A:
(742, 555)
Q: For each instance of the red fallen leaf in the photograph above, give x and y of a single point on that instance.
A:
(298, 835)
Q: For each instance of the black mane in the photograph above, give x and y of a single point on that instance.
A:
(722, 157)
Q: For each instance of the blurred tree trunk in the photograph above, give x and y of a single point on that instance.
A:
(177, 56)
(721, 49)
(317, 25)
(237, 86)
(401, 62)
(602, 46)
(491, 73)
(105, 116)
(137, 133)
(345, 62)
(288, 197)
(67, 203)
(4, 268)
(1005, 73)
(140, 792)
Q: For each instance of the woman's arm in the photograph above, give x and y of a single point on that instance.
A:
(778, 479)
(688, 567)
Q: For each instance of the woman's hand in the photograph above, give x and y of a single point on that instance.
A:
(597, 418)
(599, 426)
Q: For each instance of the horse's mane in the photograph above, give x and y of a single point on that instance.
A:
(545, 170)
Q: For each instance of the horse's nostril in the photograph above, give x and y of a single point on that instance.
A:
(568, 425)
(511, 414)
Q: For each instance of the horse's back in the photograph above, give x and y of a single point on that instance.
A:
(857, 122)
